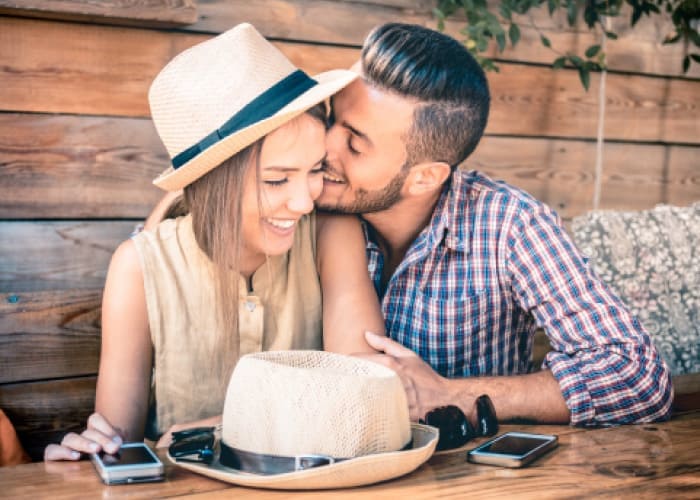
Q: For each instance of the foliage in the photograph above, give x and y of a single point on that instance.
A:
(496, 22)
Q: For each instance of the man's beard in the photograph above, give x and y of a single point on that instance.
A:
(367, 202)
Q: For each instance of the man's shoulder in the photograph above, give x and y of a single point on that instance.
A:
(475, 185)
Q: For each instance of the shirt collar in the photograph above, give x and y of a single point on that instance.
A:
(449, 215)
(451, 212)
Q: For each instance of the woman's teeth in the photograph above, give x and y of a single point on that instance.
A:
(282, 224)
(330, 177)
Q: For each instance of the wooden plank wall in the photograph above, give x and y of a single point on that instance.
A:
(77, 150)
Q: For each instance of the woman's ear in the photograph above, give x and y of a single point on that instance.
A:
(427, 177)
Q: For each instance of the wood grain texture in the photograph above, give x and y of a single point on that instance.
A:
(348, 22)
(588, 463)
(78, 166)
(46, 335)
(42, 412)
(562, 173)
(67, 68)
(62, 255)
(138, 12)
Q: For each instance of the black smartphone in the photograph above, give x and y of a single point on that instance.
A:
(512, 449)
(133, 463)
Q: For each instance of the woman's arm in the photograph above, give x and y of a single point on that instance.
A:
(124, 379)
(350, 304)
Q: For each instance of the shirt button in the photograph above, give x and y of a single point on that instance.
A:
(250, 305)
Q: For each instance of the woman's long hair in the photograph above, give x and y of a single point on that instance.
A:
(215, 202)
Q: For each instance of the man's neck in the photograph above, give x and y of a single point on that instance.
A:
(398, 227)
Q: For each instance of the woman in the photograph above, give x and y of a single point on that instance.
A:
(247, 268)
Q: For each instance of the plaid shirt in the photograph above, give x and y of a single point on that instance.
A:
(494, 264)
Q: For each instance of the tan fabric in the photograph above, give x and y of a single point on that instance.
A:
(180, 293)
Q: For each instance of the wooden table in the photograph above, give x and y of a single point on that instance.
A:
(644, 461)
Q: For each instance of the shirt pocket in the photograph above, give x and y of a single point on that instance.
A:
(454, 332)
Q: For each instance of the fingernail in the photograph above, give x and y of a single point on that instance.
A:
(111, 448)
(118, 440)
(94, 447)
(74, 455)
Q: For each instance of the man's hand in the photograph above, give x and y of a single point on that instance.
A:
(425, 389)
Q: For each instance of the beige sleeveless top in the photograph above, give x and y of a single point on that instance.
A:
(283, 311)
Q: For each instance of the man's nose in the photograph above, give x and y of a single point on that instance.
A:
(332, 141)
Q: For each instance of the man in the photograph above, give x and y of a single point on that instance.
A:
(467, 268)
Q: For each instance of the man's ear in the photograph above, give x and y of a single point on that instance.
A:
(427, 177)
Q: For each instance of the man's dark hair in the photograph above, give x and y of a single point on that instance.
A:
(439, 72)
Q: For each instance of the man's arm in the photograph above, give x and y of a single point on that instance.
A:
(533, 397)
(605, 363)
(603, 368)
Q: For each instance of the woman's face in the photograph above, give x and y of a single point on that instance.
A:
(290, 180)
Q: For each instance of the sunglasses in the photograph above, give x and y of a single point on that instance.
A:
(455, 429)
(193, 445)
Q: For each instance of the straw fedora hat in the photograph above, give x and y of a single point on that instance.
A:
(315, 420)
(221, 95)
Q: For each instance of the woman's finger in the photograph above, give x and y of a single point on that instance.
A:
(58, 452)
(100, 424)
(106, 443)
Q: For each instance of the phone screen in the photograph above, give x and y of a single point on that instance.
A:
(514, 445)
(128, 456)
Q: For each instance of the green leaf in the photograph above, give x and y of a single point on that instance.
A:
(585, 77)
(611, 35)
(571, 12)
(695, 57)
(686, 64)
(576, 61)
(514, 34)
(505, 11)
(545, 41)
(636, 14)
(501, 41)
(559, 62)
(592, 50)
(552, 6)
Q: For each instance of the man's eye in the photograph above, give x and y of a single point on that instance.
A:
(351, 148)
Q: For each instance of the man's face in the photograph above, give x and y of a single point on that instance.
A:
(366, 150)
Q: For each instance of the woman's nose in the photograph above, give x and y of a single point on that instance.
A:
(301, 201)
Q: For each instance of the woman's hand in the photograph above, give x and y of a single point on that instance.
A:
(99, 435)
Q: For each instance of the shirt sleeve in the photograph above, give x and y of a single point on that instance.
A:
(604, 361)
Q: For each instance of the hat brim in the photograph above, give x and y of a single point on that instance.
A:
(359, 471)
(329, 83)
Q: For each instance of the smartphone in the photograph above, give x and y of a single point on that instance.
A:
(133, 463)
(512, 449)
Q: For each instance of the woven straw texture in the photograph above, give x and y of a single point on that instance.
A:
(204, 86)
(313, 402)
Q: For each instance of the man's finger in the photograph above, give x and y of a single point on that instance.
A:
(387, 345)
(58, 452)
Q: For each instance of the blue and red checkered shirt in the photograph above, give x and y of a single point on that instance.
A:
(494, 264)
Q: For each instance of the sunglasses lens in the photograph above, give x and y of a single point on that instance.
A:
(455, 429)
(197, 445)
(486, 415)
